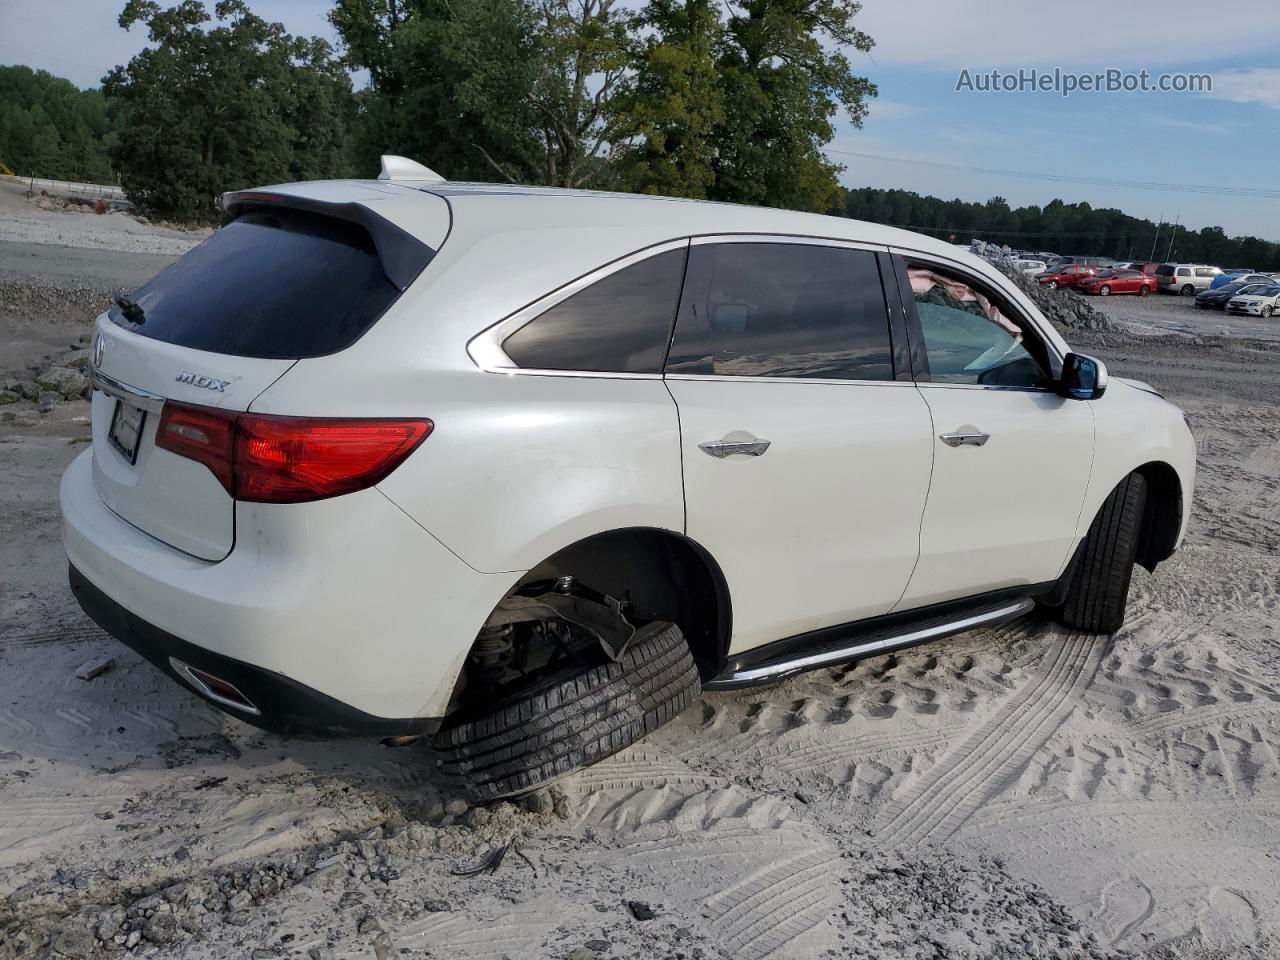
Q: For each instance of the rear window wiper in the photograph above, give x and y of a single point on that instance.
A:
(130, 308)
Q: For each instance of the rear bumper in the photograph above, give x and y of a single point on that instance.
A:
(347, 597)
(282, 705)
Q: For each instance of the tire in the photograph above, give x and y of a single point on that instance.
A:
(1105, 290)
(1267, 311)
(1052, 284)
(1187, 291)
(573, 718)
(1144, 290)
(1099, 587)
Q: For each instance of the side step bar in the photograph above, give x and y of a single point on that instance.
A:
(873, 643)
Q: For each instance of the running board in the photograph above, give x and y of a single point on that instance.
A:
(874, 643)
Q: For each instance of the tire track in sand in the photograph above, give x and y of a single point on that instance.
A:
(980, 765)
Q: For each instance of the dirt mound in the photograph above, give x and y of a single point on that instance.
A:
(1063, 308)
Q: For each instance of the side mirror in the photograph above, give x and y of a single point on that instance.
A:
(1083, 377)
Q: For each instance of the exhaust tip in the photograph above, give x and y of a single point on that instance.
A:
(220, 691)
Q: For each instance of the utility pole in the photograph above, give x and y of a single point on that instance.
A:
(1156, 238)
(1171, 236)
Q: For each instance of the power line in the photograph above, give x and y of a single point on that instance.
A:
(1259, 193)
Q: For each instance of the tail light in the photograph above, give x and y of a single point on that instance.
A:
(271, 459)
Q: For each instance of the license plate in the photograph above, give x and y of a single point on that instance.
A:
(126, 429)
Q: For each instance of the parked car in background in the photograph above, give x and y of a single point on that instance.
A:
(1030, 268)
(1106, 282)
(1068, 275)
(533, 528)
(1143, 266)
(1262, 302)
(1098, 262)
(1225, 278)
(1216, 298)
(1185, 278)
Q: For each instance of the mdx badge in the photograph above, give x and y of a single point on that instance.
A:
(200, 380)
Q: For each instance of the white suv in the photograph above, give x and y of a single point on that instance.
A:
(525, 469)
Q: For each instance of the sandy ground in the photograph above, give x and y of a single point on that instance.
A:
(1026, 791)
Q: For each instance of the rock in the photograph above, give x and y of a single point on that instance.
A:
(65, 381)
(47, 403)
(241, 901)
(539, 803)
(73, 942)
(133, 939)
(95, 667)
(599, 946)
(9, 396)
(456, 807)
(581, 953)
(476, 817)
(436, 906)
(161, 928)
(641, 910)
(563, 808)
(322, 953)
(109, 922)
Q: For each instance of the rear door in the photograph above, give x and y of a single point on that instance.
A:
(806, 461)
(216, 329)
(1012, 458)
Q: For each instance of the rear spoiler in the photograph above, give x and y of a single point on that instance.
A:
(403, 256)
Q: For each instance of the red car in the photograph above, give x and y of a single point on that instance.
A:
(1118, 281)
(1068, 276)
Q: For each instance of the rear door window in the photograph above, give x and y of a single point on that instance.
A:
(782, 310)
(620, 324)
(279, 284)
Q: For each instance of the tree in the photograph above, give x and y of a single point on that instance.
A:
(49, 128)
(519, 90)
(783, 86)
(209, 109)
(676, 101)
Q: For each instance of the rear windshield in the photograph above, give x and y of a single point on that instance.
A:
(1165, 269)
(280, 284)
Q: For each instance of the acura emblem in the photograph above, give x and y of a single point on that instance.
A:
(99, 345)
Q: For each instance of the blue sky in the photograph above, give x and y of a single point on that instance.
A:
(1228, 138)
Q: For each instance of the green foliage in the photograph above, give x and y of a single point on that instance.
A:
(519, 90)
(785, 78)
(49, 128)
(208, 109)
(1058, 227)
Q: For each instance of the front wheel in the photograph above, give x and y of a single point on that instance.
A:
(1104, 290)
(569, 719)
(1052, 284)
(1267, 311)
(1144, 290)
(1099, 587)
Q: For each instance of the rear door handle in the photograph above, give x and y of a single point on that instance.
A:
(726, 448)
(964, 439)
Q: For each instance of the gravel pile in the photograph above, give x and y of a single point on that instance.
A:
(1063, 308)
(53, 300)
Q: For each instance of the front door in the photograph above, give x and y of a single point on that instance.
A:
(806, 464)
(1011, 457)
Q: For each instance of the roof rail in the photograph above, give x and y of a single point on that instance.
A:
(402, 168)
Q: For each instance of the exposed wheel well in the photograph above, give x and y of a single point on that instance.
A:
(1162, 518)
(666, 576)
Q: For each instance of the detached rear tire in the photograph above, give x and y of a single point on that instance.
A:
(572, 719)
(1099, 588)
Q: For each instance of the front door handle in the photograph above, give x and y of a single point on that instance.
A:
(727, 448)
(964, 439)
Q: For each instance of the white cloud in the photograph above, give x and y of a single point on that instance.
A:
(1259, 85)
(881, 109)
(1012, 33)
